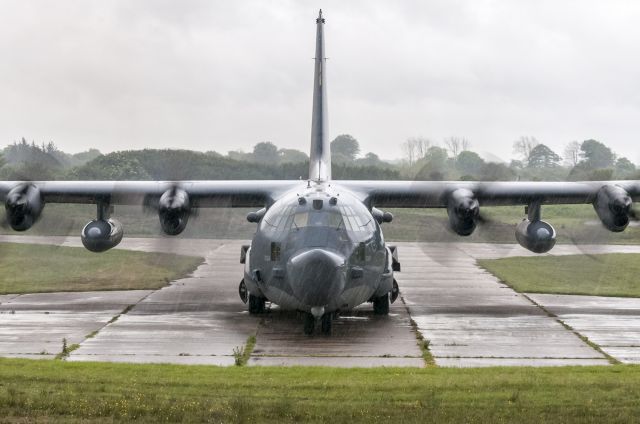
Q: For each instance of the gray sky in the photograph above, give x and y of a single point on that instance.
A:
(224, 75)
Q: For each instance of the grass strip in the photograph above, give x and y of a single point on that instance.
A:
(32, 268)
(612, 274)
(60, 391)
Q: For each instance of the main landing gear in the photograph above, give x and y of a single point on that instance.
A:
(256, 303)
(326, 322)
(381, 304)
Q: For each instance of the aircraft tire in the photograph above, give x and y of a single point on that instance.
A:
(309, 323)
(256, 304)
(326, 323)
(381, 305)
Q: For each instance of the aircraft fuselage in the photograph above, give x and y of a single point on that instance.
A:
(318, 249)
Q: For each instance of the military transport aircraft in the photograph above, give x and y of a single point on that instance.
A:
(318, 247)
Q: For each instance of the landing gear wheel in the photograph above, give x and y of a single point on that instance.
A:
(327, 320)
(256, 304)
(381, 305)
(309, 323)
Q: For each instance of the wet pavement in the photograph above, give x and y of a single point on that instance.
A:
(612, 323)
(471, 319)
(468, 317)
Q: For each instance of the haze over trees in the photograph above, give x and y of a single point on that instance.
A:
(589, 160)
(424, 159)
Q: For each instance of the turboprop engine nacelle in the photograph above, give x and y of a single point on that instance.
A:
(613, 204)
(101, 235)
(23, 205)
(174, 210)
(463, 210)
(536, 236)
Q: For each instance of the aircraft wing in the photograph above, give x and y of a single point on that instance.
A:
(201, 193)
(438, 194)
(612, 201)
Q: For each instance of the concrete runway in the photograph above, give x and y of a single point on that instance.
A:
(466, 314)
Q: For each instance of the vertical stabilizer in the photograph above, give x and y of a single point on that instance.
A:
(320, 155)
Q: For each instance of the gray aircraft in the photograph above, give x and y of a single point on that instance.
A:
(318, 247)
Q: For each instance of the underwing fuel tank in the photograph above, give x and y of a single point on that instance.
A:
(101, 235)
(536, 236)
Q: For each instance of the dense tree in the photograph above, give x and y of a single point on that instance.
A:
(624, 168)
(344, 148)
(542, 156)
(292, 156)
(433, 167)
(370, 159)
(493, 171)
(596, 155)
(24, 152)
(469, 163)
(266, 152)
(114, 166)
(239, 155)
(344, 171)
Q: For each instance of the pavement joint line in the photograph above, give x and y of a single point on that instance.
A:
(585, 339)
(519, 357)
(423, 343)
(311, 355)
(149, 354)
(113, 319)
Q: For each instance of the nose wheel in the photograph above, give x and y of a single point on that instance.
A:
(326, 322)
(309, 323)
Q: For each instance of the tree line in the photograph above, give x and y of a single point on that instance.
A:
(423, 160)
(588, 160)
(24, 160)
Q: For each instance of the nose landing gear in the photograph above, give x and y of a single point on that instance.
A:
(326, 322)
(309, 323)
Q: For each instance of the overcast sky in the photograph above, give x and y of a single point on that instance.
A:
(224, 75)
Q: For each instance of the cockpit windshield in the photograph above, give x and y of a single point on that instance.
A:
(317, 219)
(294, 217)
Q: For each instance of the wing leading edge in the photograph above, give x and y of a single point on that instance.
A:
(437, 194)
(202, 193)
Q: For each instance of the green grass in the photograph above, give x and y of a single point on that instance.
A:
(45, 391)
(615, 274)
(30, 268)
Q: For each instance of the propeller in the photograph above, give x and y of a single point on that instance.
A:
(23, 206)
(174, 210)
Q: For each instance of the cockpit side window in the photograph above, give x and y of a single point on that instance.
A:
(356, 222)
(278, 219)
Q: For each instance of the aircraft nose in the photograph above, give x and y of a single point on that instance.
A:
(316, 276)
